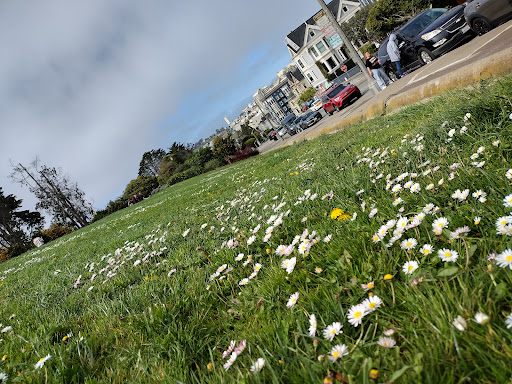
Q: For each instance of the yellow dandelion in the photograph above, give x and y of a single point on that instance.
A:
(336, 212)
(388, 277)
(374, 373)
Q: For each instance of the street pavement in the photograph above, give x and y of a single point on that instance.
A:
(483, 57)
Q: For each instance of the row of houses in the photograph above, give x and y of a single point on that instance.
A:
(309, 49)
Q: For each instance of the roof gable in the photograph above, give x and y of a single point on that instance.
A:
(299, 37)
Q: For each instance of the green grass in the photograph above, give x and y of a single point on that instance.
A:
(144, 322)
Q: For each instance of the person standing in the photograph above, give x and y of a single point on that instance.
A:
(394, 53)
(373, 65)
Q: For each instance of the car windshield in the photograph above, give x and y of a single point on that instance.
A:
(416, 25)
(335, 91)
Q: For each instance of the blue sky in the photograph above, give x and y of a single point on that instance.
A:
(90, 86)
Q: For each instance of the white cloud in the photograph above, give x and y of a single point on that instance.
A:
(90, 86)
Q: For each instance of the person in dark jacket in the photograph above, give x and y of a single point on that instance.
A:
(373, 66)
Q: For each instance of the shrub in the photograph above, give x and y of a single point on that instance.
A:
(186, 174)
(245, 153)
(4, 254)
(141, 186)
(213, 164)
(17, 249)
(54, 232)
(249, 143)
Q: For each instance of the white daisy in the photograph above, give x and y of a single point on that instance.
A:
(415, 188)
(41, 361)
(410, 243)
(427, 249)
(410, 266)
(372, 303)
(258, 365)
(507, 201)
(439, 224)
(448, 255)
(338, 352)
(508, 321)
(289, 264)
(504, 259)
(460, 323)
(481, 318)
(332, 330)
(292, 300)
(386, 342)
(356, 314)
(312, 325)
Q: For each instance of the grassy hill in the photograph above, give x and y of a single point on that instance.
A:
(373, 230)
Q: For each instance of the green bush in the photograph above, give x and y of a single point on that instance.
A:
(54, 232)
(368, 47)
(213, 164)
(249, 143)
(142, 186)
(186, 174)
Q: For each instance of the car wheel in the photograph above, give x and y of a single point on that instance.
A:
(480, 26)
(425, 55)
(330, 113)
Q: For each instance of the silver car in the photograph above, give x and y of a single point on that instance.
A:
(483, 15)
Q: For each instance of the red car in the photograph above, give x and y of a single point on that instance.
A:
(338, 96)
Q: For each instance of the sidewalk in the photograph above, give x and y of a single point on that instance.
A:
(482, 58)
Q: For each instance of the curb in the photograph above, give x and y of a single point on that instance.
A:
(499, 64)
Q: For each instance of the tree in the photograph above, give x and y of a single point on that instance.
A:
(13, 222)
(224, 148)
(151, 162)
(387, 15)
(57, 194)
(246, 129)
(355, 28)
(306, 95)
(141, 186)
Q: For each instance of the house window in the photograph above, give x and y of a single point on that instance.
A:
(300, 63)
(321, 47)
(310, 77)
(342, 54)
(312, 33)
(314, 52)
(331, 62)
(345, 9)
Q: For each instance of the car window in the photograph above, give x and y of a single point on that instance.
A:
(416, 25)
(325, 99)
(335, 91)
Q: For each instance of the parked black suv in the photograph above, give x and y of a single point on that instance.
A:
(428, 35)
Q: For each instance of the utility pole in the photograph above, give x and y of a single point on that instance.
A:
(351, 50)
